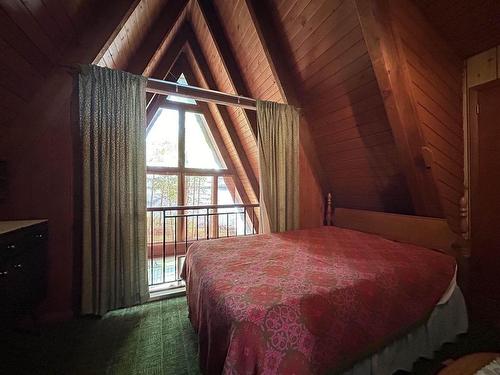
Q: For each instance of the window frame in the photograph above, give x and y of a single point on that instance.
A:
(181, 170)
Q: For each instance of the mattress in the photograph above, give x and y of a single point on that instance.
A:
(308, 301)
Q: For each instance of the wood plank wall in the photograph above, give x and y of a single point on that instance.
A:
(470, 26)
(40, 154)
(162, 50)
(129, 38)
(226, 138)
(259, 79)
(223, 84)
(33, 36)
(435, 72)
(203, 34)
(248, 51)
(343, 104)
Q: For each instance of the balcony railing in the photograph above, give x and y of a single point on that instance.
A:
(172, 229)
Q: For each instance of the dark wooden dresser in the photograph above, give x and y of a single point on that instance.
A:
(23, 254)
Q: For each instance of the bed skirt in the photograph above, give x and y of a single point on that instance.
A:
(445, 323)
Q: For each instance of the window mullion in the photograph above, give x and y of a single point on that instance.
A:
(182, 139)
(182, 164)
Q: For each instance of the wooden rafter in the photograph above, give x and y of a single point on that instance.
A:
(185, 36)
(270, 39)
(160, 29)
(152, 108)
(171, 54)
(133, 5)
(202, 63)
(390, 67)
(169, 58)
(227, 56)
(181, 65)
(268, 36)
(191, 78)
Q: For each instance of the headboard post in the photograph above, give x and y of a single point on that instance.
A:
(329, 210)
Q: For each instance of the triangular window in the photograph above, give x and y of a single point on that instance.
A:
(162, 141)
(200, 149)
(179, 99)
(167, 140)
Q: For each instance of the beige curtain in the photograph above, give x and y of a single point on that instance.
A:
(112, 117)
(278, 143)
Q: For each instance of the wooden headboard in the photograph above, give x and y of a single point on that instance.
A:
(430, 232)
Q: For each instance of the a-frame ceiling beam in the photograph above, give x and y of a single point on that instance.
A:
(270, 37)
(170, 56)
(161, 28)
(191, 78)
(130, 9)
(152, 108)
(226, 118)
(181, 65)
(389, 66)
(172, 53)
(185, 36)
(223, 46)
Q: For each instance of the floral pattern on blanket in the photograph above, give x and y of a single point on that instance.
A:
(306, 301)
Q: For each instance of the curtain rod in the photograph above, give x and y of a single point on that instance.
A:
(157, 86)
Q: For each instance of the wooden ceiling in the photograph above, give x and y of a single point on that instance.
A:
(322, 57)
(470, 26)
(33, 37)
(343, 104)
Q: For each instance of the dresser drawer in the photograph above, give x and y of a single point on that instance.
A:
(22, 270)
(16, 286)
(12, 243)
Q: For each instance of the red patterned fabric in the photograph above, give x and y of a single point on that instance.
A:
(306, 301)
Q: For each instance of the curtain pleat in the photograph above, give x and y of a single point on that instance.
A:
(112, 117)
(278, 144)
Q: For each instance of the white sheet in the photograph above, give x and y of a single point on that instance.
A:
(451, 288)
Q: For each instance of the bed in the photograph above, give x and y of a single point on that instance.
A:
(322, 300)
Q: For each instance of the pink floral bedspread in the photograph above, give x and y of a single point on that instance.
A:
(308, 301)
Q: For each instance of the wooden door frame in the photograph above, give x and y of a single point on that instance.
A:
(471, 140)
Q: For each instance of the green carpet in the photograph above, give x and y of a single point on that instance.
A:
(155, 338)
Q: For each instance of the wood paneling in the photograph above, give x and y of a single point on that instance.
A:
(390, 70)
(343, 104)
(224, 49)
(40, 151)
(225, 126)
(155, 63)
(132, 34)
(470, 26)
(33, 37)
(223, 82)
(247, 49)
(312, 184)
(218, 128)
(435, 73)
